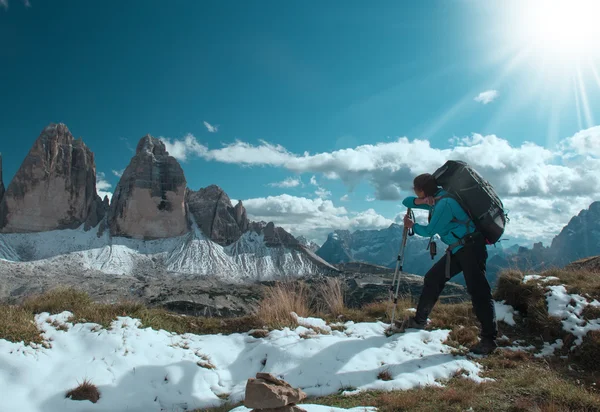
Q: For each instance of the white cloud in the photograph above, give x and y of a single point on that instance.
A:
(312, 218)
(370, 199)
(585, 142)
(182, 149)
(345, 198)
(322, 193)
(287, 183)
(118, 173)
(525, 170)
(210, 127)
(486, 97)
(519, 173)
(102, 186)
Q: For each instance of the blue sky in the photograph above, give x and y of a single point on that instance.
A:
(346, 101)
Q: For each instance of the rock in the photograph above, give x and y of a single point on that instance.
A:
(580, 238)
(287, 408)
(1, 181)
(215, 215)
(309, 244)
(274, 236)
(149, 200)
(55, 187)
(267, 392)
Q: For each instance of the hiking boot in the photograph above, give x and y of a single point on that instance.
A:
(402, 326)
(484, 347)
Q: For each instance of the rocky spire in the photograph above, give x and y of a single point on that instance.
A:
(214, 214)
(55, 187)
(149, 200)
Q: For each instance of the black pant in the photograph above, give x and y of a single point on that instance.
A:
(471, 260)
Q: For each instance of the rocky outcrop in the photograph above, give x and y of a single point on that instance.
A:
(274, 236)
(215, 215)
(266, 392)
(1, 181)
(55, 187)
(309, 244)
(580, 238)
(149, 200)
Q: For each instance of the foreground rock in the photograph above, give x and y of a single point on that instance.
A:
(149, 200)
(55, 187)
(214, 214)
(267, 393)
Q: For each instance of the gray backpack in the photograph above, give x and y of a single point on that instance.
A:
(476, 196)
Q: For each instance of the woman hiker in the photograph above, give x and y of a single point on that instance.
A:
(467, 253)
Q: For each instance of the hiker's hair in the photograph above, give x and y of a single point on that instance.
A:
(426, 182)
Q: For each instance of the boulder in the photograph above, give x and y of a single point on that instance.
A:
(267, 392)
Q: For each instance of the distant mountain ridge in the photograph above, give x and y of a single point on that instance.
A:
(51, 211)
(579, 239)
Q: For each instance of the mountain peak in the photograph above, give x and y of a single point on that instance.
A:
(151, 145)
(55, 186)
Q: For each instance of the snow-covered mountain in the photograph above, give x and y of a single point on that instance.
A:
(378, 247)
(309, 244)
(51, 214)
(381, 247)
(247, 259)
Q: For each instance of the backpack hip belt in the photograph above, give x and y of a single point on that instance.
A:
(468, 239)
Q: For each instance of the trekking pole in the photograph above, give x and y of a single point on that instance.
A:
(399, 264)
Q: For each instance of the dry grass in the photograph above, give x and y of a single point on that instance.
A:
(580, 281)
(514, 292)
(530, 300)
(463, 336)
(590, 312)
(17, 325)
(385, 375)
(58, 300)
(588, 353)
(205, 362)
(17, 322)
(259, 333)
(452, 315)
(85, 391)
(527, 385)
(331, 294)
(274, 310)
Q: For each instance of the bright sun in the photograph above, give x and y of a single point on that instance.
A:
(559, 29)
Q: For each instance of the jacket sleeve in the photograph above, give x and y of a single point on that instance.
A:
(442, 216)
(410, 202)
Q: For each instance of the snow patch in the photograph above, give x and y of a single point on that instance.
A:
(549, 349)
(568, 307)
(505, 313)
(141, 369)
(543, 279)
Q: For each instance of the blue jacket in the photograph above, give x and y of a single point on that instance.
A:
(441, 223)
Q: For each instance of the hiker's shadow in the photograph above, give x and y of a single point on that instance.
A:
(178, 386)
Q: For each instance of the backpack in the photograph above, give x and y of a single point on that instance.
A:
(476, 196)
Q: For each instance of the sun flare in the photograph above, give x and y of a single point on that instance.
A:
(560, 29)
